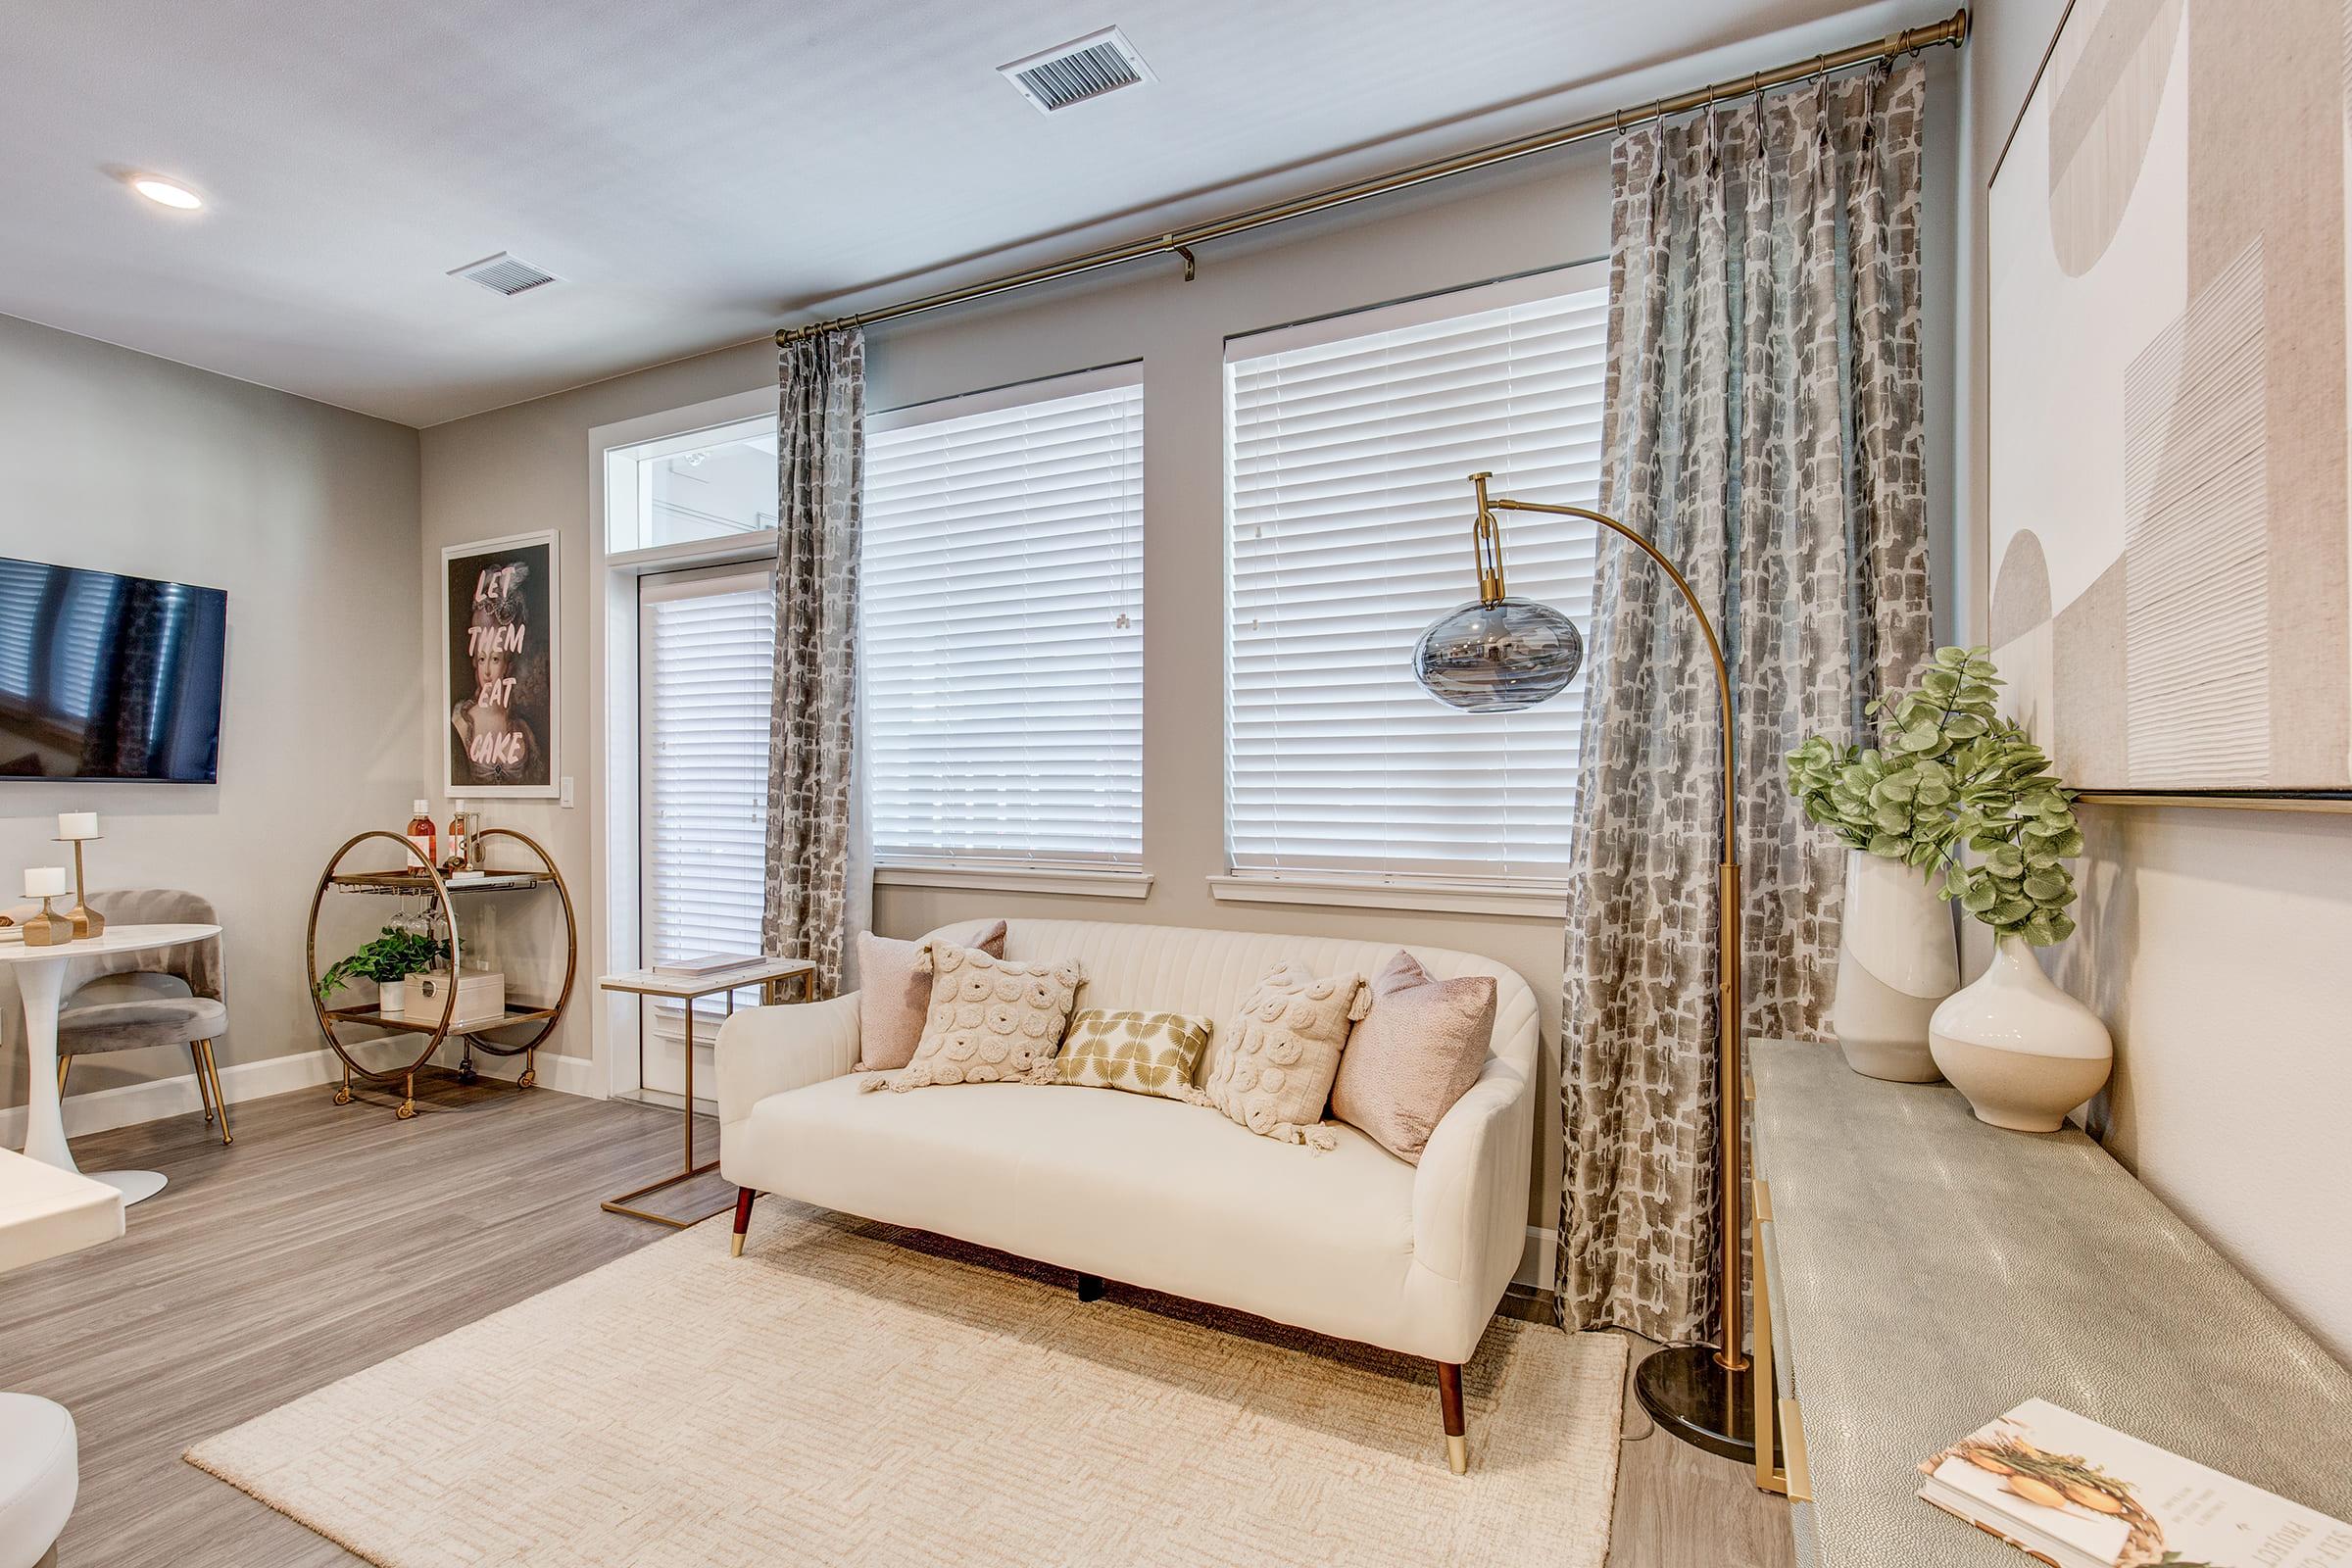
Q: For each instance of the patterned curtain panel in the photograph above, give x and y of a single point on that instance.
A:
(1763, 426)
(819, 879)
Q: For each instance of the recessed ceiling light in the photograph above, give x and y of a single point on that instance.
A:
(165, 193)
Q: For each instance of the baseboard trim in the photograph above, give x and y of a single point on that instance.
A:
(565, 1075)
(1536, 1258)
(154, 1098)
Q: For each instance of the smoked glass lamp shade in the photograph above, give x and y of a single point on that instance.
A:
(1498, 657)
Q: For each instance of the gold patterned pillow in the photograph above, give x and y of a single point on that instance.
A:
(1142, 1052)
(991, 1020)
(1272, 1071)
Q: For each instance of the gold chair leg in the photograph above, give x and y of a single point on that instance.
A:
(219, 1101)
(204, 1091)
(64, 1064)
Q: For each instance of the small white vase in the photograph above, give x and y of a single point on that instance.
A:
(1896, 960)
(2022, 1050)
(391, 997)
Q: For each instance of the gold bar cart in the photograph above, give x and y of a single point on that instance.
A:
(417, 878)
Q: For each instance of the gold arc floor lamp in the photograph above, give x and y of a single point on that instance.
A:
(1500, 655)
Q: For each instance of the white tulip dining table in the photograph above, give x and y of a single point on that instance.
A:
(40, 980)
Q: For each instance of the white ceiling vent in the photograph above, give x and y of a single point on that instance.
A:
(503, 274)
(1082, 69)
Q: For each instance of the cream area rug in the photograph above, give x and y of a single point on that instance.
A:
(835, 1397)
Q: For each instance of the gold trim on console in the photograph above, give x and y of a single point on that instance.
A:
(2226, 803)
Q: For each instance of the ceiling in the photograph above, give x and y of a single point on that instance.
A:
(698, 174)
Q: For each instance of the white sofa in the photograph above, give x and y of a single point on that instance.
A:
(1171, 1197)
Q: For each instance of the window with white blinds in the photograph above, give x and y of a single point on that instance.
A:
(706, 658)
(1002, 605)
(1349, 445)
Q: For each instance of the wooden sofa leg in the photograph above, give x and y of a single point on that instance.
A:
(1089, 1287)
(743, 1219)
(1449, 1404)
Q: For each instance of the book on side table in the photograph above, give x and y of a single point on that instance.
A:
(2066, 1490)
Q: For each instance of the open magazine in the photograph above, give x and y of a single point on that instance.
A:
(2080, 1494)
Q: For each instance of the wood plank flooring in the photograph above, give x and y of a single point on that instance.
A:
(328, 1238)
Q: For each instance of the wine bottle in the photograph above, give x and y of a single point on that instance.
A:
(420, 834)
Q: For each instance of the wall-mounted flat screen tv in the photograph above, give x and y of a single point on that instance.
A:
(109, 678)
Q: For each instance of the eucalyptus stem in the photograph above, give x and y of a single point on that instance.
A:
(1952, 775)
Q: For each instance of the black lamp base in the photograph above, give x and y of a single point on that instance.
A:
(1692, 1399)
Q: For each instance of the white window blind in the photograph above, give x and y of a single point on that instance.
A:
(84, 630)
(22, 583)
(706, 654)
(1351, 444)
(1002, 604)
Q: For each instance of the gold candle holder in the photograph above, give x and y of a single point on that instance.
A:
(84, 921)
(47, 929)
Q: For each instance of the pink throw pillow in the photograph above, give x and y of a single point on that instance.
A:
(1417, 1051)
(893, 998)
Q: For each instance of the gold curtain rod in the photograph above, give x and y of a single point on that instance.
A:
(1952, 30)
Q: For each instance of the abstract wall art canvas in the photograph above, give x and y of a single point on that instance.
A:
(498, 667)
(2167, 444)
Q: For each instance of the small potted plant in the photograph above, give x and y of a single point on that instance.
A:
(389, 960)
(1952, 775)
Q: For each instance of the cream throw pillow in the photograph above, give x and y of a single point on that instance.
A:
(893, 997)
(992, 1020)
(1142, 1052)
(1271, 1071)
(1417, 1051)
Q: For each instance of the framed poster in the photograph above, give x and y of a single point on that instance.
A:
(499, 668)
(2167, 432)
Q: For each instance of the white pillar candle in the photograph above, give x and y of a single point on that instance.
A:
(77, 824)
(44, 881)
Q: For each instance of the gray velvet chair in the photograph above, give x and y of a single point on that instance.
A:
(111, 1020)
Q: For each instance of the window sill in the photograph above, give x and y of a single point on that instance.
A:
(1063, 881)
(1525, 903)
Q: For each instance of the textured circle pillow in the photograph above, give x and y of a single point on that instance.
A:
(992, 1020)
(1417, 1051)
(1272, 1071)
(893, 997)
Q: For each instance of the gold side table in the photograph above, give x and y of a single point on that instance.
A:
(774, 977)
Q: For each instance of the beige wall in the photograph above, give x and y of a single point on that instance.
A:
(306, 514)
(2212, 941)
(528, 467)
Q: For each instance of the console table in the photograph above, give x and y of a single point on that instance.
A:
(1919, 1273)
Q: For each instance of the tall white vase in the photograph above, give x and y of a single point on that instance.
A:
(1896, 960)
(2022, 1050)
